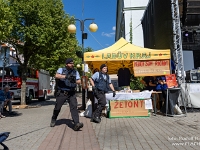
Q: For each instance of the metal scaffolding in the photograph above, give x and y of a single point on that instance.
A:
(177, 50)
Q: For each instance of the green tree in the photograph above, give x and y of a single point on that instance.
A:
(55, 59)
(88, 49)
(39, 31)
(5, 16)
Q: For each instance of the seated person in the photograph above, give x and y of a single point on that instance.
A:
(161, 86)
(1, 104)
(8, 98)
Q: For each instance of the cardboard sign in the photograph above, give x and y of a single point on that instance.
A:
(130, 108)
(151, 68)
(171, 81)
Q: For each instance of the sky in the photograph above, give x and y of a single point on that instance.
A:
(104, 13)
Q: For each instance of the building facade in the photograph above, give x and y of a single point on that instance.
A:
(128, 20)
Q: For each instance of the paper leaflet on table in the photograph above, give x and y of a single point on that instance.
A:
(148, 104)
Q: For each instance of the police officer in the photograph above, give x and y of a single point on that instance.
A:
(100, 84)
(67, 77)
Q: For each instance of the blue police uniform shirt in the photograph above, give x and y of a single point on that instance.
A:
(161, 86)
(95, 77)
(60, 71)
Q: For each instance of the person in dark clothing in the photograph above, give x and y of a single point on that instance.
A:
(152, 83)
(161, 86)
(100, 82)
(145, 81)
(67, 77)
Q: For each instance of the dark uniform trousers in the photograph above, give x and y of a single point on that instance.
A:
(71, 98)
(101, 97)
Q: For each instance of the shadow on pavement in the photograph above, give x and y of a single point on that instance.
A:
(191, 110)
(27, 133)
(13, 114)
(41, 103)
(68, 122)
(51, 96)
(35, 103)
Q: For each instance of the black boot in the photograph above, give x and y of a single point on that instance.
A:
(54, 117)
(78, 126)
(95, 117)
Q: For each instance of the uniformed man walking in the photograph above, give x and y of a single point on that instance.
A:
(67, 78)
(101, 82)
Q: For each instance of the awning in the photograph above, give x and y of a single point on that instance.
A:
(122, 54)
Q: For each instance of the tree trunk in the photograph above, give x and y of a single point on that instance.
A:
(23, 87)
(23, 93)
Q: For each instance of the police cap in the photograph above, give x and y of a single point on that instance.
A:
(69, 60)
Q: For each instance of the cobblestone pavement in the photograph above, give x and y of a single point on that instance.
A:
(156, 133)
(31, 131)
(30, 128)
(62, 136)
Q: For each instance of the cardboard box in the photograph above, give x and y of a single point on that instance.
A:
(128, 108)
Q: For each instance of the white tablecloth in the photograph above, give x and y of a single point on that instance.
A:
(128, 96)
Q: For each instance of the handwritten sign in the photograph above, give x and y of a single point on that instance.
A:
(148, 104)
(131, 108)
(151, 68)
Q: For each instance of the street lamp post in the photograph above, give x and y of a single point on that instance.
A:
(72, 29)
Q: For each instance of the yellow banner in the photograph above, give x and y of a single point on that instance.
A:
(120, 55)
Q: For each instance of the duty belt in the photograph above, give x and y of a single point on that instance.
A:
(61, 91)
(102, 92)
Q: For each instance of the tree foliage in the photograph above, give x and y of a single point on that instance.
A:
(5, 16)
(38, 30)
(41, 27)
(57, 59)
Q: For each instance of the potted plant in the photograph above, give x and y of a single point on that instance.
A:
(135, 84)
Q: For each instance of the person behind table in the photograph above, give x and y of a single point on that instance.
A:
(100, 82)
(152, 83)
(145, 81)
(67, 77)
(161, 86)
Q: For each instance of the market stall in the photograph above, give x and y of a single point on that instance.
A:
(123, 54)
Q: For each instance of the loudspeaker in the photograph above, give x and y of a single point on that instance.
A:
(191, 12)
(193, 75)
